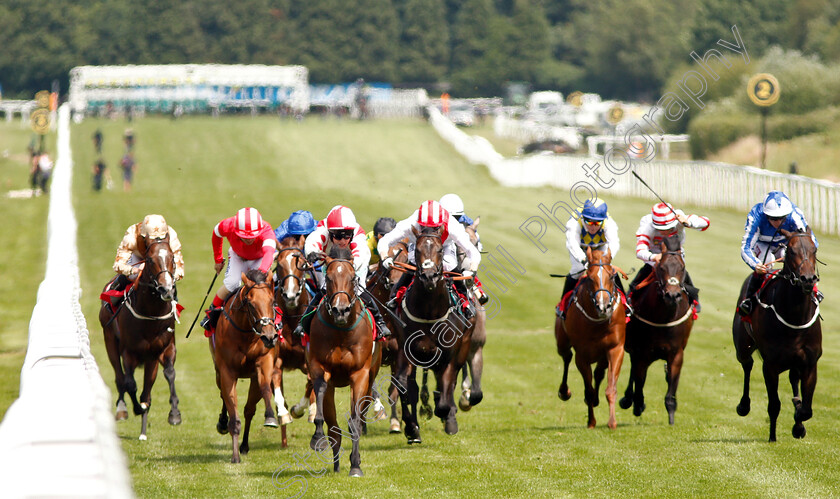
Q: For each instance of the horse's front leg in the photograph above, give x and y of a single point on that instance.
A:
(673, 367)
(589, 394)
(616, 357)
(227, 380)
(564, 349)
(446, 408)
(254, 394)
(771, 381)
(393, 398)
(627, 400)
(406, 377)
(333, 430)
(318, 441)
(744, 347)
(279, 400)
(265, 371)
(113, 348)
(803, 411)
(359, 401)
(168, 361)
(149, 376)
(129, 384)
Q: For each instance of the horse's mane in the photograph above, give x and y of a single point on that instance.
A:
(429, 231)
(256, 275)
(672, 242)
(341, 253)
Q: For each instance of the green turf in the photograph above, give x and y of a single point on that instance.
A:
(522, 440)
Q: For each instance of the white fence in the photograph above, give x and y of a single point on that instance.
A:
(58, 438)
(697, 183)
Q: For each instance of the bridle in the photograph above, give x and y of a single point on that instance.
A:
(352, 298)
(421, 266)
(671, 281)
(792, 272)
(256, 322)
(299, 280)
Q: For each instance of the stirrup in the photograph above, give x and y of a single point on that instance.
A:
(819, 296)
(299, 331)
(382, 331)
(745, 307)
(392, 303)
(205, 323)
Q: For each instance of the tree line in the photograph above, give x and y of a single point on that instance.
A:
(619, 48)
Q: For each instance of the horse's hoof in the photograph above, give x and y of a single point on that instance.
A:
(143, 438)
(464, 403)
(244, 448)
(222, 428)
(475, 398)
(442, 411)
(235, 460)
(450, 426)
(356, 472)
(121, 415)
(380, 415)
(638, 409)
(138, 410)
(395, 426)
(285, 419)
(564, 394)
(625, 402)
(743, 408)
(798, 430)
(174, 418)
(415, 440)
(271, 422)
(297, 411)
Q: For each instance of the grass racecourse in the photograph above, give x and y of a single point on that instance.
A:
(522, 440)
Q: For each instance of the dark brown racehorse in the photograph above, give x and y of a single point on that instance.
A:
(143, 332)
(594, 327)
(471, 393)
(379, 284)
(291, 297)
(341, 352)
(244, 346)
(785, 328)
(436, 335)
(659, 328)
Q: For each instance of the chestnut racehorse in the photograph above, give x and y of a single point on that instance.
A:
(594, 327)
(143, 332)
(471, 393)
(341, 352)
(785, 328)
(659, 328)
(244, 346)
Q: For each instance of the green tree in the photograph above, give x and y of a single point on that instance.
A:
(471, 40)
(424, 42)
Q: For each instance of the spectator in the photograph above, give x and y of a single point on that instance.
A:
(45, 166)
(128, 137)
(97, 141)
(128, 166)
(98, 173)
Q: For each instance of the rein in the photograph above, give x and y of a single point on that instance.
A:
(669, 324)
(263, 321)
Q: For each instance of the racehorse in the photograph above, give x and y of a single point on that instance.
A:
(659, 328)
(785, 329)
(291, 296)
(143, 332)
(471, 393)
(379, 284)
(244, 346)
(595, 327)
(436, 335)
(341, 352)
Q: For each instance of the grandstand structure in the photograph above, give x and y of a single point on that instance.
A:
(165, 88)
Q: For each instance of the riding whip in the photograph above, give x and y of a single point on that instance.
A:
(654, 193)
(202, 303)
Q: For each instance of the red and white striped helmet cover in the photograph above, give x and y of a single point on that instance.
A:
(341, 217)
(432, 214)
(248, 222)
(663, 216)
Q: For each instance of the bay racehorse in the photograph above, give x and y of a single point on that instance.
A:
(341, 352)
(436, 335)
(143, 332)
(785, 328)
(291, 296)
(471, 393)
(244, 346)
(594, 327)
(659, 328)
(379, 284)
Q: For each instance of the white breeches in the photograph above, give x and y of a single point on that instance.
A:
(235, 267)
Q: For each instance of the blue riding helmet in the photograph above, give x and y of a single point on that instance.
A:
(594, 211)
(301, 223)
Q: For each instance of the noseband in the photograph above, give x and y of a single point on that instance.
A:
(421, 266)
(154, 283)
(256, 323)
(671, 281)
(794, 277)
(351, 297)
(282, 282)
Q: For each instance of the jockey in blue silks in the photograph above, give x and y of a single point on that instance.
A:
(763, 241)
(299, 223)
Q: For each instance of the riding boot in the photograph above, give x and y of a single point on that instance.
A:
(211, 317)
(403, 281)
(693, 292)
(746, 306)
(119, 284)
(628, 310)
(568, 286)
(381, 327)
(478, 292)
(469, 309)
(641, 275)
(306, 319)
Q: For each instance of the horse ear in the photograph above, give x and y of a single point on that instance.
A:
(589, 252)
(785, 233)
(415, 231)
(141, 241)
(475, 223)
(245, 279)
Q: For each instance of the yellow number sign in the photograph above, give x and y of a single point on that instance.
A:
(763, 89)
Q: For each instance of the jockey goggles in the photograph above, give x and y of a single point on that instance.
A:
(776, 219)
(592, 223)
(341, 234)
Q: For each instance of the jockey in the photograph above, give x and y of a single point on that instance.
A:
(594, 227)
(762, 238)
(252, 246)
(662, 222)
(131, 252)
(432, 214)
(300, 223)
(380, 228)
(341, 229)
(455, 206)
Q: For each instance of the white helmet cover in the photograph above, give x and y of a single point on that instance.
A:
(453, 204)
(777, 204)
